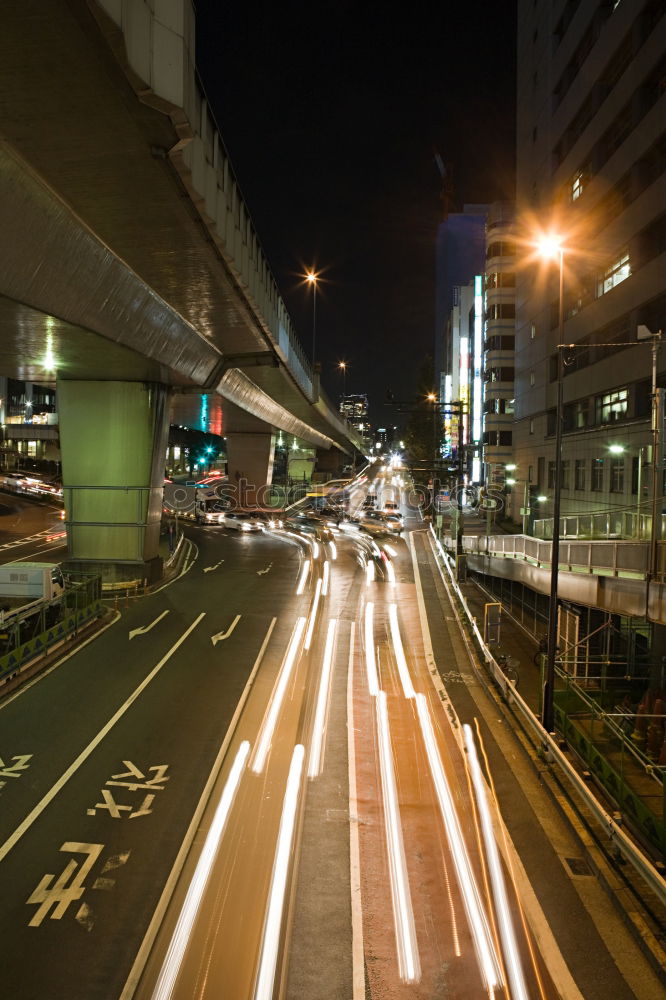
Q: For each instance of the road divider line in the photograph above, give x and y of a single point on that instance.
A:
(158, 916)
(476, 917)
(514, 966)
(321, 711)
(83, 756)
(277, 697)
(370, 659)
(276, 898)
(304, 576)
(358, 963)
(180, 937)
(403, 915)
(313, 614)
(146, 628)
(401, 660)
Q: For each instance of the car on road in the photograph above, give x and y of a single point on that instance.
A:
(380, 523)
(310, 526)
(391, 507)
(242, 521)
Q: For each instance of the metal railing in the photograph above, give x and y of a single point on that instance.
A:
(606, 558)
(628, 524)
(30, 635)
(544, 743)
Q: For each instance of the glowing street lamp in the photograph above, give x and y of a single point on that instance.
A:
(342, 365)
(312, 277)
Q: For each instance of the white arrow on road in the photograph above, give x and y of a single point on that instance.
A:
(260, 572)
(225, 635)
(209, 569)
(147, 628)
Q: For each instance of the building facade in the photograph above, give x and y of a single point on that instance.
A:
(591, 164)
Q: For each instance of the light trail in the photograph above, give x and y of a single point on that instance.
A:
(268, 725)
(370, 661)
(477, 919)
(333, 549)
(369, 573)
(181, 934)
(321, 712)
(304, 575)
(391, 572)
(324, 583)
(273, 922)
(507, 932)
(403, 669)
(315, 550)
(313, 614)
(403, 916)
(391, 551)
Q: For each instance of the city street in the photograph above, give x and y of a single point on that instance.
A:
(256, 782)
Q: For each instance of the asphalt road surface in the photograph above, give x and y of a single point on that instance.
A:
(258, 782)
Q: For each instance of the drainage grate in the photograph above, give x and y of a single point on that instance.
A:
(577, 866)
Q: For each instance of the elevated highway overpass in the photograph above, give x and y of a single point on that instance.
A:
(132, 274)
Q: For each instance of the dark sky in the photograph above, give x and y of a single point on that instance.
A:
(331, 114)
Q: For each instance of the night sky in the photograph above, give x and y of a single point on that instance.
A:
(331, 115)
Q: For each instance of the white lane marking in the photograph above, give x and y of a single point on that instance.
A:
(333, 550)
(268, 725)
(37, 552)
(358, 964)
(476, 916)
(147, 628)
(403, 915)
(180, 937)
(325, 578)
(313, 614)
(220, 636)
(401, 660)
(83, 756)
(158, 916)
(262, 572)
(304, 576)
(502, 909)
(274, 913)
(370, 661)
(209, 569)
(321, 712)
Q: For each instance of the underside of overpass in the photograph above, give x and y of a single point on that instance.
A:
(113, 273)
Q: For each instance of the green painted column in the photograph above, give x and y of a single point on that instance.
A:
(113, 438)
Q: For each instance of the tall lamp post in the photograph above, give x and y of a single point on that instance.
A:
(432, 398)
(311, 277)
(343, 368)
(552, 247)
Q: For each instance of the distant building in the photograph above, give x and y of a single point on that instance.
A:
(499, 342)
(460, 253)
(29, 420)
(355, 409)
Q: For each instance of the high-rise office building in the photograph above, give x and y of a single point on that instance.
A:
(591, 162)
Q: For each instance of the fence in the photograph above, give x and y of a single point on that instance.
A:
(542, 741)
(628, 524)
(28, 636)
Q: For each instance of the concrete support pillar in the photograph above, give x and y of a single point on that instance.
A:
(250, 455)
(330, 460)
(113, 439)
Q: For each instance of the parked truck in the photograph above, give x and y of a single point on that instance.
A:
(26, 586)
(202, 504)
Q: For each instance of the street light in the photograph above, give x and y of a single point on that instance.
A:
(342, 365)
(312, 277)
(550, 246)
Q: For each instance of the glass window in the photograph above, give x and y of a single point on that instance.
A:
(577, 185)
(614, 274)
(551, 475)
(565, 474)
(579, 474)
(612, 406)
(533, 331)
(617, 475)
(597, 482)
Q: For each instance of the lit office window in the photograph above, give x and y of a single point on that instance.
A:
(612, 406)
(617, 272)
(577, 185)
